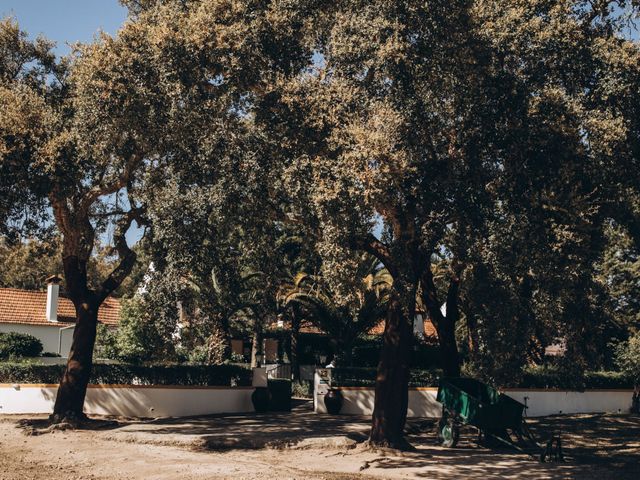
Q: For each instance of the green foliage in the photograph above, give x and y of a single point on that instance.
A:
(27, 264)
(362, 377)
(619, 271)
(628, 358)
(142, 334)
(302, 389)
(532, 378)
(550, 377)
(344, 321)
(214, 375)
(237, 358)
(16, 345)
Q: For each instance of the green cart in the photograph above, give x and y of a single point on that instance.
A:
(497, 417)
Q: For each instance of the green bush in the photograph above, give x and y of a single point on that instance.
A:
(302, 389)
(16, 345)
(553, 377)
(532, 378)
(215, 375)
(365, 377)
(628, 358)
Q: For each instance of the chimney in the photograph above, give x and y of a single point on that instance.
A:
(53, 289)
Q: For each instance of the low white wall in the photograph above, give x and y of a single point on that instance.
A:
(422, 401)
(554, 402)
(132, 401)
(359, 401)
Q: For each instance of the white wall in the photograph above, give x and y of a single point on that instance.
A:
(48, 335)
(422, 401)
(554, 402)
(359, 401)
(132, 401)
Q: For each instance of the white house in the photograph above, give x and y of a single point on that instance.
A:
(48, 316)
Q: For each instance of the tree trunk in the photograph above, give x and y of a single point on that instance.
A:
(295, 333)
(256, 342)
(448, 347)
(73, 386)
(404, 262)
(220, 340)
(445, 324)
(392, 381)
(474, 339)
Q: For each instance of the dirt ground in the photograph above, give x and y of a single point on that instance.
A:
(303, 445)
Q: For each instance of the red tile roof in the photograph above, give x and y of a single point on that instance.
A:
(429, 329)
(28, 307)
(309, 327)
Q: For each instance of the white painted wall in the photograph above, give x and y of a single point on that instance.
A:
(359, 401)
(48, 335)
(422, 401)
(554, 402)
(132, 401)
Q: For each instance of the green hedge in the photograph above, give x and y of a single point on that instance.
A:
(532, 378)
(205, 375)
(16, 345)
(363, 377)
(554, 378)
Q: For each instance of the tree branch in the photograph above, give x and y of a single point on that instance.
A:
(125, 254)
(430, 297)
(101, 189)
(378, 249)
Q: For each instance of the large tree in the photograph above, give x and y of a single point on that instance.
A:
(392, 135)
(76, 136)
(491, 134)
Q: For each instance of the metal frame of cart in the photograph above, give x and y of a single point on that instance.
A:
(498, 418)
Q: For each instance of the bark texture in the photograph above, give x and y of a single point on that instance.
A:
(445, 324)
(78, 240)
(295, 334)
(392, 381)
(73, 385)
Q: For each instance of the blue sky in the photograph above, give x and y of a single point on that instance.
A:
(65, 20)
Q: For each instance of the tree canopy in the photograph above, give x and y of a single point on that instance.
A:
(484, 153)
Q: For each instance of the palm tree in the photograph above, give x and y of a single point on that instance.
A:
(342, 322)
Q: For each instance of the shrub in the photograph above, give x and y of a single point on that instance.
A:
(237, 358)
(365, 377)
(141, 336)
(16, 345)
(537, 377)
(214, 375)
(302, 389)
(628, 358)
(553, 377)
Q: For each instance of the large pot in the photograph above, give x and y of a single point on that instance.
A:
(333, 401)
(260, 399)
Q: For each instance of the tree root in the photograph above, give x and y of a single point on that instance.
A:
(69, 421)
(401, 445)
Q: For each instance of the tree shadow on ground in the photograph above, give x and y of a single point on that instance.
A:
(591, 443)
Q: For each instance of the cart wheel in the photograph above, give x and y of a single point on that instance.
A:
(449, 432)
